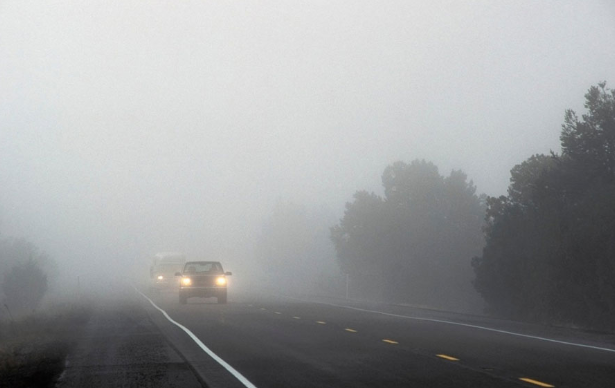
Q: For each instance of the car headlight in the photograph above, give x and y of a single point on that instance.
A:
(160, 277)
(186, 281)
(221, 281)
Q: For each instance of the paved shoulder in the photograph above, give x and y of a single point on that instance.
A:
(122, 348)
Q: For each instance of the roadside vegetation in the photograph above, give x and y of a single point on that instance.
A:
(25, 275)
(33, 348)
(548, 247)
(550, 252)
(35, 337)
(414, 245)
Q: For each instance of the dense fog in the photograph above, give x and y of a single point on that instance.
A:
(238, 131)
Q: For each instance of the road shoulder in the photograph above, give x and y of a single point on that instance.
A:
(121, 347)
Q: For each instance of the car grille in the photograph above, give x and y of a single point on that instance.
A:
(204, 281)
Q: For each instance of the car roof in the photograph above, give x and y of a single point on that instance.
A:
(201, 262)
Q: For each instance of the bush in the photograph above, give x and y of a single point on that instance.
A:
(33, 348)
(24, 286)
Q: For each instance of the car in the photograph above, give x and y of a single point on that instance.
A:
(162, 270)
(203, 279)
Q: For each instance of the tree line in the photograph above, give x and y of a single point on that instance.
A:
(415, 243)
(548, 246)
(550, 243)
(545, 252)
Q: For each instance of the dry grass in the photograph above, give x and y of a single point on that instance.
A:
(33, 348)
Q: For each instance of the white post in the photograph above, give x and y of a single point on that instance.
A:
(347, 281)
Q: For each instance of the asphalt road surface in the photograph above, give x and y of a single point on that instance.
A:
(276, 341)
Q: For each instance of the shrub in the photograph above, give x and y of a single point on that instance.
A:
(24, 286)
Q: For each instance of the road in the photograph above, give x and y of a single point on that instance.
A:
(278, 341)
(119, 346)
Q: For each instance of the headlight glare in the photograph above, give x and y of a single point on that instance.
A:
(160, 277)
(221, 281)
(186, 281)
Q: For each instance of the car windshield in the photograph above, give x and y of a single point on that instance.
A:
(204, 267)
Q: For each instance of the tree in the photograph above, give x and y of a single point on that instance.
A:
(590, 143)
(24, 286)
(415, 244)
(25, 272)
(550, 244)
(356, 241)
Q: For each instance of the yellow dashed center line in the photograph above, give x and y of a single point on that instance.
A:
(444, 356)
(535, 382)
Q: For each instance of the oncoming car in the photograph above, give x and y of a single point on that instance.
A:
(203, 279)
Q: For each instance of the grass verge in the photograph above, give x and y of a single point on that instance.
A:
(33, 348)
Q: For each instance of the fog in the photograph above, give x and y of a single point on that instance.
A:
(129, 128)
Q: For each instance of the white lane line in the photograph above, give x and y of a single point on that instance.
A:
(213, 355)
(536, 382)
(461, 324)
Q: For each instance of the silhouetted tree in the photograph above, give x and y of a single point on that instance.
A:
(24, 286)
(590, 143)
(24, 272)
(357, 241)
(550, 251)
(415, 244)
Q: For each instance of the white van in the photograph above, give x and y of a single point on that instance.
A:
(163, 268)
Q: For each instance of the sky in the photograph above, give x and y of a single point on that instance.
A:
(132, 127)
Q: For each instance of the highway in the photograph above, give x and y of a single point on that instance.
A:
(276, 341)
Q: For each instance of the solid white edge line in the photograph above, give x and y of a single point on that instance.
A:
(461, 324)
(213, 355)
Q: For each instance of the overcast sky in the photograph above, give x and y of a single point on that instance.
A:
(131, 127)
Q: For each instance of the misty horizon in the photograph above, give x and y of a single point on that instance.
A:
(129, 129)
